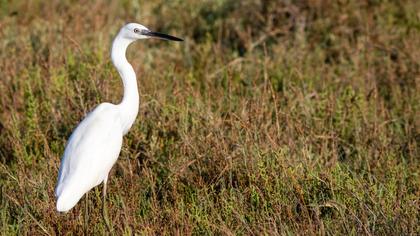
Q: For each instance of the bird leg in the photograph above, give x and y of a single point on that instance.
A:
(104, 210)
(86, 213)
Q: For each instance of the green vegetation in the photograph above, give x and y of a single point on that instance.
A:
(273, 117)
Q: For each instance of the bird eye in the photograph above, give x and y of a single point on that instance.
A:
(136, 30)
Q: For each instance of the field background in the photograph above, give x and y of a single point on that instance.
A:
(272, 117)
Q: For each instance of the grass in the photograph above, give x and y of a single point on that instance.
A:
(272, 117)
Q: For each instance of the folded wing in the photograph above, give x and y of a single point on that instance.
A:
(90, 153)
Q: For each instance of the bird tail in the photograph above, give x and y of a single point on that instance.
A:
(67, 198)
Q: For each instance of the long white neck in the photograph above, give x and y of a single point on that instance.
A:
(129, 105)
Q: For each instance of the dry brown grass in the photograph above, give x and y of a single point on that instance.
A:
(271, 118)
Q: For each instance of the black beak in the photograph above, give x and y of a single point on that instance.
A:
(161, 36)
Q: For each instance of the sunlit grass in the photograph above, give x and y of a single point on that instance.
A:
(271, 118)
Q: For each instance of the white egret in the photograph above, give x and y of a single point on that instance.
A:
(95, 144)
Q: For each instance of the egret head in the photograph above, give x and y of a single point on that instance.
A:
(134, 31)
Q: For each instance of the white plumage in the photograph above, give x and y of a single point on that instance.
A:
(94, 146)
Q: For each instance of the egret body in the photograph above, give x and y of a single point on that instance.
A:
(95, 144)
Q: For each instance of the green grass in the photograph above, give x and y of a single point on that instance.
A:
(270, 118)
